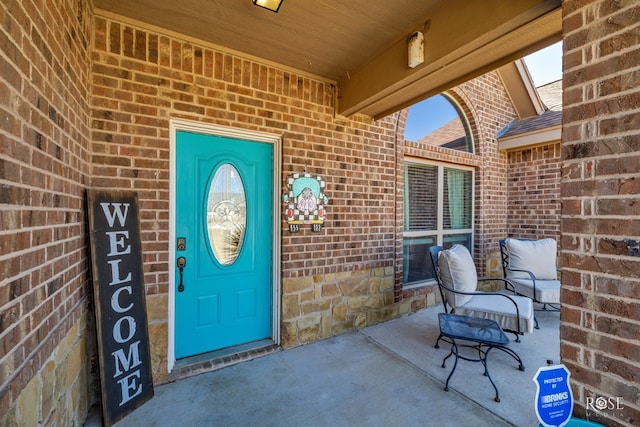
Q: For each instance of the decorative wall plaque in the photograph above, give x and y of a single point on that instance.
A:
(305, 201)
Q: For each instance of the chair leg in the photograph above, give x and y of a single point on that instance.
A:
(454, 350)
(438, 341)
(513, 354)
(544, 308)
(486, 372)
(443, 338)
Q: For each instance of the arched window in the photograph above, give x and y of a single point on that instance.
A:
(438, 121)
(438, 196)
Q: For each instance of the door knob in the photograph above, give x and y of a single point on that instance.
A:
(181, 262)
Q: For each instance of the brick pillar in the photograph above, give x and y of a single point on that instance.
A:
(601, 208)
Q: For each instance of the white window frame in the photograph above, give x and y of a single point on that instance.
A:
(440, 232)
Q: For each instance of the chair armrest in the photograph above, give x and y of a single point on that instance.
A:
(531, 275)
(480, 293)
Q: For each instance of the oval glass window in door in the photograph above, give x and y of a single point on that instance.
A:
(226, 214)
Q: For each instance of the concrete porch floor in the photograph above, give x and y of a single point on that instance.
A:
(388, 374)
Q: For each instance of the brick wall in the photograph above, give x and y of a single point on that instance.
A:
(533, 186)
(332, 281)
(601, 209)
(44, 288)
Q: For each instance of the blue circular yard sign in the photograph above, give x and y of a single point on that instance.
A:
(554, 400)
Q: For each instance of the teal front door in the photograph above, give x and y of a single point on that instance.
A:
(223, 289)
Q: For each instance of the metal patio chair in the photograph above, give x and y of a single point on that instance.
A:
(530, 267)
(457, 280)
(475, 319)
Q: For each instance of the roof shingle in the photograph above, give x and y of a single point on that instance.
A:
(551, 95)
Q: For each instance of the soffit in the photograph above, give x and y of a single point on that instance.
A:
(361, 44)
(327, 38)
(521, 90)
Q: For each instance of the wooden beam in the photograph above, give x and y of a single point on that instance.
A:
(462, 40)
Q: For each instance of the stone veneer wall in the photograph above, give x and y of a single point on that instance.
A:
(62, 390)
(329, 304)
(47, 347)
(600, 254)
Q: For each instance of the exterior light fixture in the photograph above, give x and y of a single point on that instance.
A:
(415, 44)
(272, 5)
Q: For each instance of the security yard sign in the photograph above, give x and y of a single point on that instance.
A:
(554, 400)
(118, 288)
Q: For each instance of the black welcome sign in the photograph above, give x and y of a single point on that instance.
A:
(121, 316)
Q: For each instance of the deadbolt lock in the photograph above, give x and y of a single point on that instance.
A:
(182, 243)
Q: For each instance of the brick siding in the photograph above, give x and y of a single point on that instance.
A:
(533, 186)
(44, 168)
(600, 207)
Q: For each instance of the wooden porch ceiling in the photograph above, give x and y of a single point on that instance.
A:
(361, 45)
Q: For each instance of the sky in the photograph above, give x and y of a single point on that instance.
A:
(544, 66)
(427, 116)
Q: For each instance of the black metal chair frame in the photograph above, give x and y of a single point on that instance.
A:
(434, 251)
(504, 255)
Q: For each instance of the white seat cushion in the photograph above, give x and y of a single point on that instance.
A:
(458, 272)
(536, 256)
(547, 291)
(501, 310)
